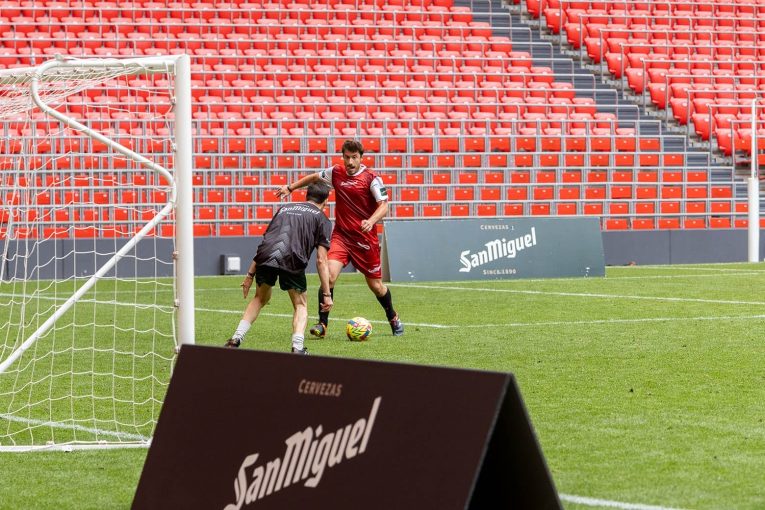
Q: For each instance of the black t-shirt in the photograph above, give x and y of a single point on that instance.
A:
(294, 232)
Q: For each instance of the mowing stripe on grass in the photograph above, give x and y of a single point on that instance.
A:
(587, 295)
(581, 500)
(72, 426)
(610, 321)
(527, 324)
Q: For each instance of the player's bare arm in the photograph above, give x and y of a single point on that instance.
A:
(380, 213)
(322, 267)
(247, 282)
(284, 191)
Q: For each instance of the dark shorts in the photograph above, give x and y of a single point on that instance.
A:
(287, 281)
(364, 255)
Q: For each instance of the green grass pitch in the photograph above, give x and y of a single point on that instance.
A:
(644, 387)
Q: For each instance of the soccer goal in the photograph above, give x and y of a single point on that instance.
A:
(96, 248)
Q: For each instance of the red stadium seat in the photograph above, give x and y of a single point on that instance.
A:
(432, 210)
(487, 210)
(231, 230)
(513, 209)
(669, 223)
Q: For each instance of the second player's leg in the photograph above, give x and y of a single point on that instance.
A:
(300, 315)
(377, 286)
(319, 330)
(261, 299)
(251, 312)
(299, 320)
(382, 293)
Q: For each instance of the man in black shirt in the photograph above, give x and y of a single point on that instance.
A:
(294, 232)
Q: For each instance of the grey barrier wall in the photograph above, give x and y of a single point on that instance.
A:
(676, 246)
(153, 256)
(64, 258)
(619, 248)
(492, 248)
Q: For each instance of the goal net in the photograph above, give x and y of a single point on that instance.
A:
(96, 254)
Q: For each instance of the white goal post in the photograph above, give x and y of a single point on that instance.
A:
(96, 247)
(753, 194)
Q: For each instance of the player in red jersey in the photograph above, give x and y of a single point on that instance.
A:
(361, 201)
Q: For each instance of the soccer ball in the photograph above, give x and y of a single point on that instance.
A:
(358, 329)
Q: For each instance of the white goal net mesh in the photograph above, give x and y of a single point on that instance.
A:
(71, 202)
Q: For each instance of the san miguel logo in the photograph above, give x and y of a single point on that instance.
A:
(307, 454)
(497, 249)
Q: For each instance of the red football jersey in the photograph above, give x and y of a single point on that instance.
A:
(356, 198)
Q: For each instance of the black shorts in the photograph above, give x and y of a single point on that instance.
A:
(287, 281)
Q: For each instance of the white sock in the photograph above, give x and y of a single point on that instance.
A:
(242, 329)
(297, 341)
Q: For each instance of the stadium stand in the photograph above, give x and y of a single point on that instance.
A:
(700, 62)
(464, 109)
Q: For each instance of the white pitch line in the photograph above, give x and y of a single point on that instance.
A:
(609, 321)
(528, 324)
(673, 267)
(586, 294)
(616, 278)
(72, 426)
(581, 500)
(289, 315)
(663, 276)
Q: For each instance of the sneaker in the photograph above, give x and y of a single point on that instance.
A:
(233, 342)
(303, 351)
(396, 326)
(319, 330)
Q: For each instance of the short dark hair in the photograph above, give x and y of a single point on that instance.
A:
(317, 192)
(352, 146)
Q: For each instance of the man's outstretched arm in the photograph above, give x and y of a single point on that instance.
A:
(284, 191)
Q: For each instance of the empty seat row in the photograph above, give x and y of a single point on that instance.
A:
(538, 8)
(340, 33)
(647, 69)
(668, 197)
(252, 229)
(252, 180)
(669, 83)
(422, 140)
(742, 62)
(205, 46)
(594, 23)
(231, 12)
(597, 47)
(116, 229)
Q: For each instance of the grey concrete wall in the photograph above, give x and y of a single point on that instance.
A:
(59, 258)
(64, 258)
(676, 246)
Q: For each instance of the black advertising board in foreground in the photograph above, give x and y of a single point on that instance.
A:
(252, 429)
